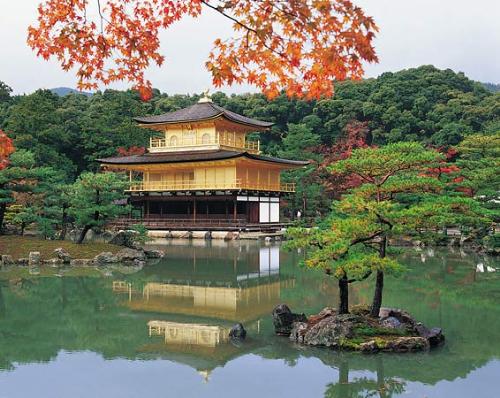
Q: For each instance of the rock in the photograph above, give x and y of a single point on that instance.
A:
(331, 331)
(154, 253)
(434, 336)
(369, 347)
(139, 263)
(34, 259)
(401, 315)
(324, 313)
(81, 262)
(238, 332)
(125, 238)
(54, 262)
(406, 344)
(231, 236)
(391, 323)
(105, 258)
(283, 319)
(129, 255)
(298, 331)
(63, 255)
(23, 261)
(6, 260)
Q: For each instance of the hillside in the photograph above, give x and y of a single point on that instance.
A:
(425, 104)
(63, 91)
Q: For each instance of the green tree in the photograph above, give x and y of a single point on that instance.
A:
(17, 178)
(396, 199)
(479, 167)
(94, 200)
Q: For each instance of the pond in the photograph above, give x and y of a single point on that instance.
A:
(162, 331)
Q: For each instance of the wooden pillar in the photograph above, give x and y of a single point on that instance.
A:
(194, 208)
(235, 209)
(147, 207)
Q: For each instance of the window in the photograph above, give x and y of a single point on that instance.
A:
(205, 138)
(173, 140)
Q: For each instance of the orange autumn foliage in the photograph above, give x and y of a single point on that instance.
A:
(6, 148)
(299, 46)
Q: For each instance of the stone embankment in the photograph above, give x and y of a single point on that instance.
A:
(127, 256)
(394, 330)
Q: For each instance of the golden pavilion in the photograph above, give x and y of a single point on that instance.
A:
(204, 173)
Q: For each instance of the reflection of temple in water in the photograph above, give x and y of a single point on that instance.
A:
(197, 292)
(189, 333)
(226, 282)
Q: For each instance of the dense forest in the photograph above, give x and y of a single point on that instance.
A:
(438, 108)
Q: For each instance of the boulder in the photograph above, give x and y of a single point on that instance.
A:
(129, 255)
(63, 255)
(401, 315)
(369, 347)
(6, 260)
(238, 332)
(391, 322)
(81, 262)
(298, 331)
(23, 261)
(406, 344)
(34, 259)
(139, 263)
(105, 258)
(332, 330)
(154, 253)
(434, 336)
(180, 234)
(54, 262)
(231, 236)
(125, 238)
(283, 319)
(324, 313)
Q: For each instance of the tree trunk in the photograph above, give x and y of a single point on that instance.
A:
(344, 296)
(81, 238)
(64, 225)
(3, 206)
(379, 284)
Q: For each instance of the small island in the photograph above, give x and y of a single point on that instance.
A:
(394, 330)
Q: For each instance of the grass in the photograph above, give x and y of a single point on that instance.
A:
(21, 246)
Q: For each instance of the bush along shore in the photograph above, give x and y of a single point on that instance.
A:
(394, 330)
(130, 254)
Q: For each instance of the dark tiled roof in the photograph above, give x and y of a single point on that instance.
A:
(193, 156)
(202, 111)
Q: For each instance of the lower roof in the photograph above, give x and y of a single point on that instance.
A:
(198, 156)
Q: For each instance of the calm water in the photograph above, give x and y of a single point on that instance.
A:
(162, 331)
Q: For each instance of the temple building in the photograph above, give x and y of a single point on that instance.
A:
(204, 172)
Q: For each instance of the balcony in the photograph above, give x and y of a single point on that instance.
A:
(163, 145)
(236, 185)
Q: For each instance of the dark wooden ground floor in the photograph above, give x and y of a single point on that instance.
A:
(210, 211)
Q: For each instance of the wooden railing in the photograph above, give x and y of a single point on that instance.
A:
(194, 224)
(190, 143)
(238, 184)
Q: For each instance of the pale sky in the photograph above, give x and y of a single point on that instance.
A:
(457, 34)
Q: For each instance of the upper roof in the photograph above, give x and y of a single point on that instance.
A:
(203, 110)
(199, 156)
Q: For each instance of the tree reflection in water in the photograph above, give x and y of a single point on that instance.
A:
(364, 387)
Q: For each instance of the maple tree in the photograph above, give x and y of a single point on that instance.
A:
(6, 149)
(355, 135)
(299, 46)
